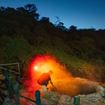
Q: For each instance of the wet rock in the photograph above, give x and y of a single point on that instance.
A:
(53, 98)
(50, 98)
(9, 101)
(92, 99)
(65, 100)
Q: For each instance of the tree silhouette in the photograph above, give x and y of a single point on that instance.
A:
(32, 10)
(73, 28)
(45, 19)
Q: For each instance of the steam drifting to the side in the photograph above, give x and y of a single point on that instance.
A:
(63, 81)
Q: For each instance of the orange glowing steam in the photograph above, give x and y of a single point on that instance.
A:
(47, 63)
(63, 81)
(44, 64)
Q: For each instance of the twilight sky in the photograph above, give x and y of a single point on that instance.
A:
(82, 13)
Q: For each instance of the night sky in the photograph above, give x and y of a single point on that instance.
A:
(82, 13)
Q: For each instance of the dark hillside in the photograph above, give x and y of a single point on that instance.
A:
(23, 34)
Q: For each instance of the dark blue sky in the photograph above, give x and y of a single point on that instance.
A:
(82, 13)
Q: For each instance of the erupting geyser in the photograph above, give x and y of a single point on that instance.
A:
(46, 70)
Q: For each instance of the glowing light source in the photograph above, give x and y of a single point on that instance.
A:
(36, 68)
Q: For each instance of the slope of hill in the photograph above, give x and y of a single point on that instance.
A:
(22, 35)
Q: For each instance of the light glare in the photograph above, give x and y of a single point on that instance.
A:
(36, 68)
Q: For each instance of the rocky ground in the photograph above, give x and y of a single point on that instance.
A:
(53, 98)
